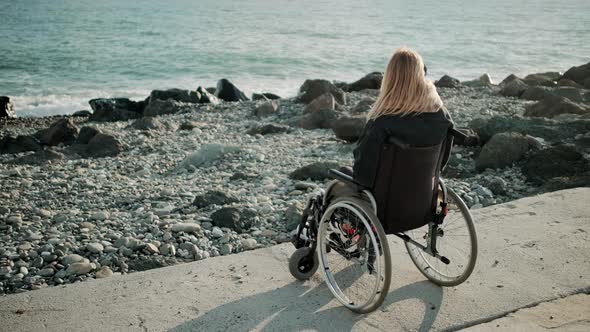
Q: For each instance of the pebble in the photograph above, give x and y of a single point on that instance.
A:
(95, 248)
(104, 272)
(186, 227)
(151, 248)
(249, 244)
(100, 216)
(80, 268)
(226, 249)
(71, 259)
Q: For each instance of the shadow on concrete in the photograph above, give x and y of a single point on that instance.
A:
(296, 307)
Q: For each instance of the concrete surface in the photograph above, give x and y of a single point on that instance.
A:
(532, 251)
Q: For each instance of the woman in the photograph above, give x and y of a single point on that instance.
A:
(408, 109)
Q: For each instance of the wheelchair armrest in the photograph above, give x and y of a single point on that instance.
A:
(336, 174)
(458, 134)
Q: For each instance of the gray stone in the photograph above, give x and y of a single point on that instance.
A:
(267, 129)
(22, 143)
(324, 102)
(95, 248)
(267, 108)
(46, 273)
(578, 74)
(104, 272)
(115, 109)
(502, 150)
(180, 95)
(213, 197)
(293, 215)
(552, 106)
(248, 244)
(316, 172)
(555, 161)
(226, 249)
(151, 248)
(185, 227)
(161, 107)
(80, 268)
(544, 79)
(62, 131)
(318, 120)
(207, 154)
(227, 91)
(100, 215)
(86, 134)
(147, 123)
(237, 219)
(364, 106)
(447, 82)
(311, 89)
(103, 145)
(370, 81)
(514, 88)
(349, 129)
(168, 249)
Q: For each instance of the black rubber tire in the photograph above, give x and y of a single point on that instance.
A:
(308, 258)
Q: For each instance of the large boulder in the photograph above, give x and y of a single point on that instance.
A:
(160, 107)
(6, 108)
(544, 79)
(103, 145)
(556, 161)
(483, 81)
(579, 74)
(447, 82)
(62, 131)
(185, 96)
(86, 134)
(311, 89)
(147, 123)
(316, 171)
(514, 88)
(550, 130)
(349, 129)
(324, 102)
(115, 109)
(370, 81)
(535, 93)
(507, 80)
(21, 143)
(206, 97)
(227, 91)
(237, 219)
(570, 93)
(321, 119)
(552, 106)
(267, 108)
(502, 150)
(568, 82)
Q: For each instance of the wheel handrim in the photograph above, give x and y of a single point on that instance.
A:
(457, 244)
(334, 276)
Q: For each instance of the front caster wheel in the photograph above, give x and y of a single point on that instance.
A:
(303, 263)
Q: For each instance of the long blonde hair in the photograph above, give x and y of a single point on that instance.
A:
(404, 89)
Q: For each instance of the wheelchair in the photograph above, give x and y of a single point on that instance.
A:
(345, 237)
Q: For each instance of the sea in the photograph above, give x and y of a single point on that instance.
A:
(55, 55)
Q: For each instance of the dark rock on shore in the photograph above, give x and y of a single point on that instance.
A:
(115, 109)
(535, 93)
(471, 139)
(324, 102)
(22, 143)
(237, 219)
(206, 97)
(86, 134)
(6, 108)
(544, 79)
(315, 172)
(213, 197)
(363, 106)
(551, 130)
(264, 96)
(502, 150)
(267, 108)
(579, 74)
(514, 88)
(227, 91)
(370, 81)
(161, 107)
(568, 82)
(83, 113)
(62, 131)
(552, 106)
(103, 145)
(556, 161)
(447, 82)
(185, 96)
(267, 129)
(311, 89)
(40, 157)
(321, 119)
(349, 129)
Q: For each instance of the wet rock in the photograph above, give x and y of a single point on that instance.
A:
(62, 131)
(214, 197)
(115, 109)
(160, 107)
(82, 114)
(315, 172)
(370, 81)
(502, 150)
(552, 106)
(578, 74)
(311, 89)
(349, 129)
(227, 91)
(514, 88)
(6, 108)
(180, 95)
(447, 82)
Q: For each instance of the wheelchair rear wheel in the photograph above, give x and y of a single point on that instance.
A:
(455, 239)
(354, 254)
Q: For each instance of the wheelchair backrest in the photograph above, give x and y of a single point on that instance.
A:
(406, 184)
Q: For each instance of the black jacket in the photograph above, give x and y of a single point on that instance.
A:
(422, 129)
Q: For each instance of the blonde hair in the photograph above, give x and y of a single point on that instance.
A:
(404, 89)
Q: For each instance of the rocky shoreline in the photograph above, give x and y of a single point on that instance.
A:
(186, 175)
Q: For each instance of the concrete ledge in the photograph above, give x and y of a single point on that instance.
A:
(531, 251)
